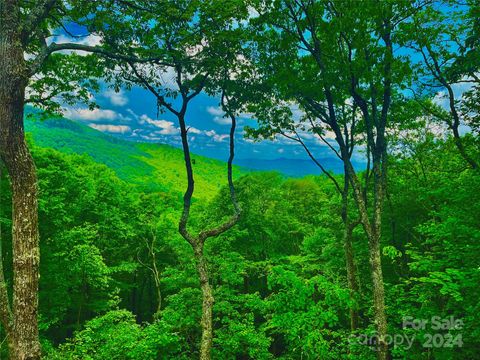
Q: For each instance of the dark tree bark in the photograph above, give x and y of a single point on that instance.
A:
(349, 255)
(453, 122)
(22, 329)
(197, 241)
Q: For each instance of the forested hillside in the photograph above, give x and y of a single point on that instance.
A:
(119, 242)
(142, 164)
(279, 276)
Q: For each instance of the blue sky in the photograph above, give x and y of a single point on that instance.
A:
(133, 115)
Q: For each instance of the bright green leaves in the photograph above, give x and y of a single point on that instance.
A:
(116, 335)
(305, 312)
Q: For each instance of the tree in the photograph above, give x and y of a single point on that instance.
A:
(35, 70)
(447, 44)
(332, 57)
(194, 41)
(24, 29)
(292, 130)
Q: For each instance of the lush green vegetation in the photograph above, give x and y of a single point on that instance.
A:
(118, 250)
(137, 163)
(278, 276)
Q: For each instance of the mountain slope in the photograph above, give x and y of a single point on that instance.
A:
(153, 167)
(294, 167)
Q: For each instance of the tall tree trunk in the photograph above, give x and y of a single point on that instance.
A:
(379, 172)
(19, 163)
(198, 241)
(380, 185)
(351, 275)
(373, 232)
(378, 295)
(349, 256)
(207, 304)
(20, 166)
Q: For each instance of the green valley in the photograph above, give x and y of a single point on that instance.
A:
(152, 167)
(122, 238)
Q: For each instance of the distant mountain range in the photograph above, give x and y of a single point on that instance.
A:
(152, 167)
(144, 163)
(292, 167)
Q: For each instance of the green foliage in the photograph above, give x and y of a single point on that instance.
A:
(140, 164)
(116, 335)
(279, 276)
(119, 282)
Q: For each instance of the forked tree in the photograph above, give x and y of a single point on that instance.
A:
(187, 47)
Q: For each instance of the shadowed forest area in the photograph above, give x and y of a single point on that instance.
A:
(119, 249)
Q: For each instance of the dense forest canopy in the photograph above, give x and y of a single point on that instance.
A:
(120, 250)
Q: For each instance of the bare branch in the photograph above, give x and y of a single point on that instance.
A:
(54, 47)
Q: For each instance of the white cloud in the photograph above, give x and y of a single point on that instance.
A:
(118, 129)
(116, 98)
(193, 130)
(93, 115)
(218, 115)
(167, 127)
(221, 120)
(150, 137)
(220, 138)
(441, 98)
(215, 110)
(171, 130)
(216, 137)
(136, 132)
(210, 132)
(133, 114)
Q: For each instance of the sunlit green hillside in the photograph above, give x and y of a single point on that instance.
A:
(153, 167)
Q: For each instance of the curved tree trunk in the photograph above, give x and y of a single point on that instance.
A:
(198, 241)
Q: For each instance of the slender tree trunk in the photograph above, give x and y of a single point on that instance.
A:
(455, 125)
(351, 275)
(207, 304)
(378, 296)
(349, 256)
(19, 163)
(373, 232)
(461, 148)
(379, 171)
